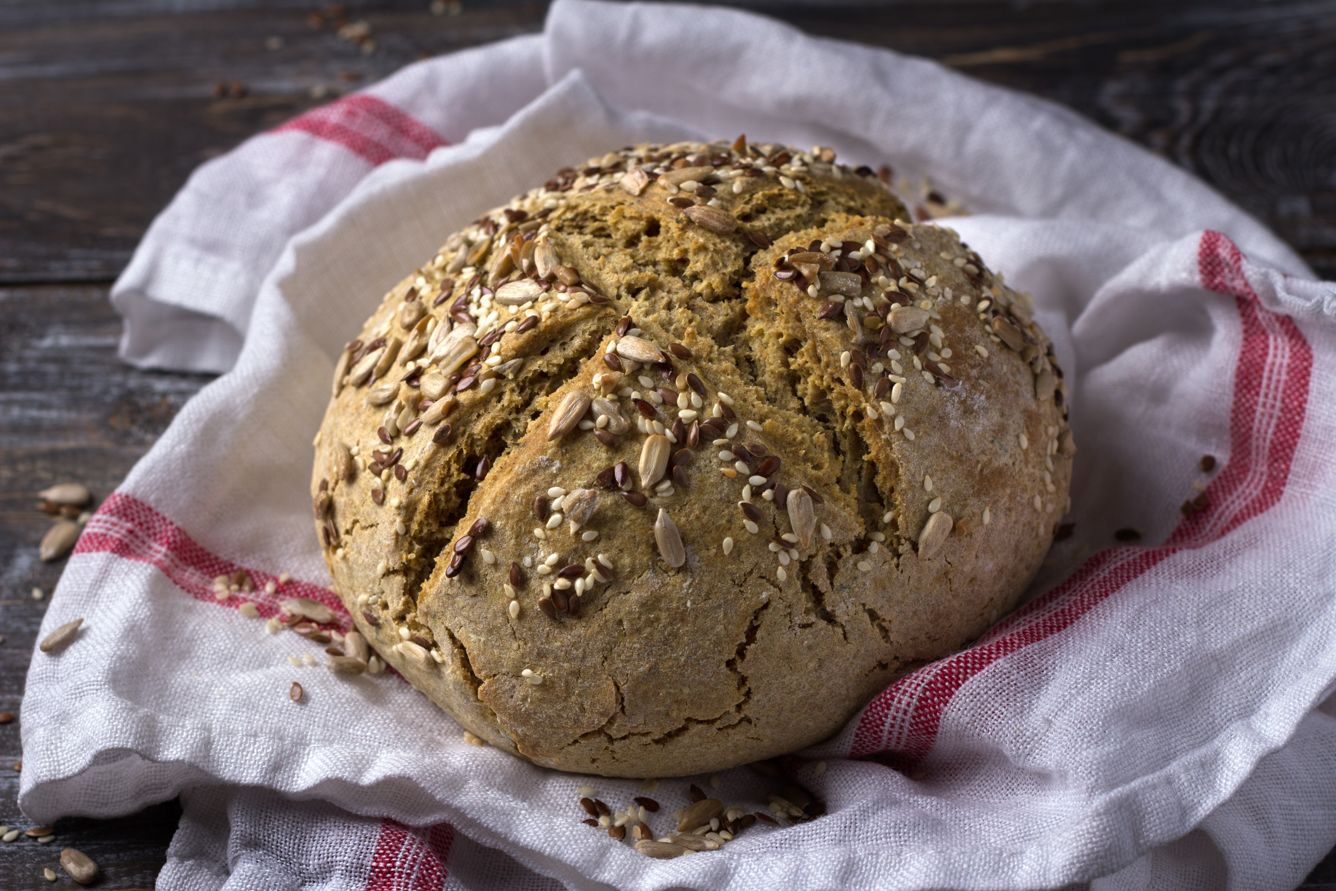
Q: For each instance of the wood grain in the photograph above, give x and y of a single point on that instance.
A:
(105, 108)
(1235, 91)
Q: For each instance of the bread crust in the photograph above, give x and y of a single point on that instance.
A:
(762, 448)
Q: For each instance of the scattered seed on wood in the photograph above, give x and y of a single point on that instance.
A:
(67, 494)
(58, 541)
(60, 638)
(78, 865)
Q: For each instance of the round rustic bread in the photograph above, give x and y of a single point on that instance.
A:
(674, 462)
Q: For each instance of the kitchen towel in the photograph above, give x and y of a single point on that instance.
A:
(1155, 715)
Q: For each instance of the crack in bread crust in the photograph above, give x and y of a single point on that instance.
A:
(692, 440)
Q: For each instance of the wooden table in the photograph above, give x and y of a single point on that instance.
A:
(104, 111)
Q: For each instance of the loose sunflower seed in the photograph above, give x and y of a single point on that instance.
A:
(568, 414)
(699, 813)
(346, 665)
(78, 865)
(355, 646)
(802, 516)
(934, 534)
(908, 319)
(67, 494)
(518, 293)
(308, 609)
(711, 219)
(669, 540)
(659, 850)
(60, 638)
(638, 349)
(58, 541)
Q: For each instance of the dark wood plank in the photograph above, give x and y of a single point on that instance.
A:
(1235, 91)
(105, 108)
(68, 411)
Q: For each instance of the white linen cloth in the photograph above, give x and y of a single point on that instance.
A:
(1156, 716)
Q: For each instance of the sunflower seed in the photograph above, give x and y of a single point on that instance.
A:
(712, 219)
(49, 874)
(606, 408)
(411, 313)
(438, 410)
(545, 258)
(1044, 385)
(11, 835)
(454, 350)
(635, 180)
(699, 813)
(654, 459)
(802, 516)
(387, 357)
(659, 850)
(39, 832)
(638, 349)
(850, 284)
(72, 494)
(60, 638)
(78, 865)
(934, 534)
(58, 541)
(568, 414)
(414, 653)
(579, 505)
(295, 692)
(346, 665)
(908, 319)
(433, 385)
(679, 175)
(308, 609)
(1008, 333)
(340, 372)
(669, 540)
(355, 646)
(518, 293)
(693, 842)
(361, 372)
(383, 393)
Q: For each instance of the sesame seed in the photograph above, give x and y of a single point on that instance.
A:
(751, 527)
(728, 545)
(935, 505)
(1025, 441)
(753, 425)
(927, 483)
(864, 566)
(513, 609)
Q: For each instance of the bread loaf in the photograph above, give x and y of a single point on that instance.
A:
(674, 462)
